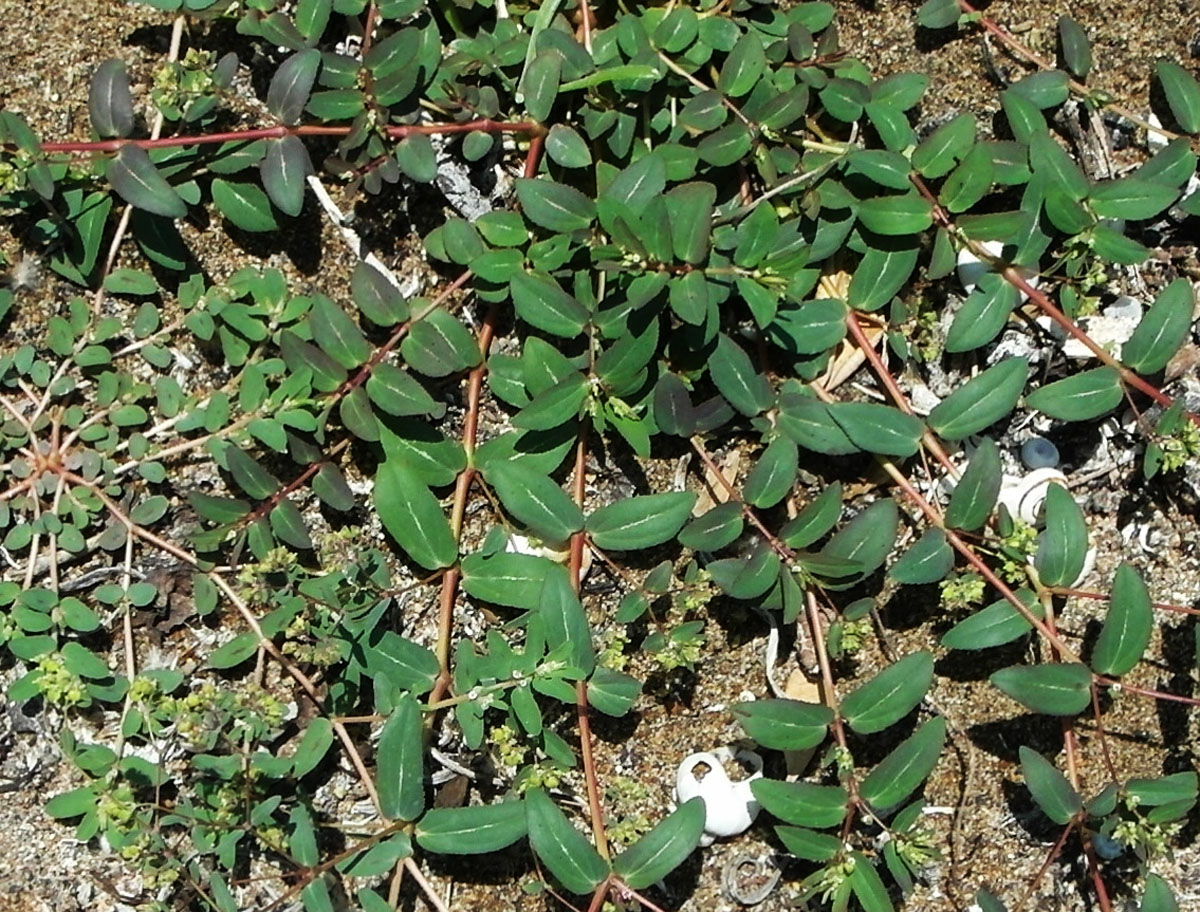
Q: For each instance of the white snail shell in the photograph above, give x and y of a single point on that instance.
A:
(729, 807)
(1025, 495)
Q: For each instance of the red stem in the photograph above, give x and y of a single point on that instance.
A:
(280, 131)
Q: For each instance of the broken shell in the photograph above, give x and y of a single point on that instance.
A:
(559, 552)
(971, 269)
(1024, 496)
(729, 807)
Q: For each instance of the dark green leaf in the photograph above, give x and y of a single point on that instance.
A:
(565, 621)
(541, 302)
(1162, 330)
(982, 401)
(401, 769)
(1048, 158)
(890, 695)
(139, 183)
(1131, 198)
(807, 845)
(413, 516)
(1050, 789)
(1080, 397)
(338, 334)
(868, 538)
(773, 474)
(899, 214)
(879, 428)
(802, 803)
(472, 830)
(717, 528)
(243, 204)
(938, 153)
(1046, 89)
(690, 211)
(1062, 548)
(975, 495)
(535, 500)
(1075, 47)
(995, 625)
(284, 170)
(983, 315)
(784, 724)
(236, 651)
(1127, 626)
(291, 85)
(640, 522)
(928, 561)
(663, 848)
(1157, 897)
(816, 519)
(564, 851)
(1055, 690)
(902, 771)
(867, 885)
(407, 665)
(743, 66)
(110, 104)
(1183, 94)
(555, 206)
(612, 692)
(745, 388)
(514, 580)
(567, 148)
(938, 14)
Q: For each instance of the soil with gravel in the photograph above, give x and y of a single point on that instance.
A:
(992, 835)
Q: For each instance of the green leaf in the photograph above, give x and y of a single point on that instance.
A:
(401, 753)
(938, 153)
(1075, 47)
(1046, 89)
(439, 345)
(879, 276)
(1127, 626)
(472, 830)
(888, 169)
(378, 859)
(868, 538)
(1062, 548)
(773, 474)
(746, 577)
(612, 692)
(890, 695)
(1110, 244)
(879, 428)
(902, 771)
(556, 406)
(1050, 789)
(690, 211)
(809, 423)
(1048, 158)
(1080, 397)
(717, 528)
(514, 580)
(407, 665)
(74, 803)
(867, 885)
(397, 392)
(664, 847)
(249, 475)
(1131, 198)
(815, 520)
(640, 522)
(1059, 689)
(314, 744)
(1162, 330)
(1157, 897)
(542, 303)
(1183, 94)
(337, 333)
(283, 170)
(553, 206)
(802, 803)
(746, 389)
(975, 495)
(927, 561)
(907, 213)
(291, 85)
(784, 724)
(564, 851)
(938, 14)
(540, 83)
(567, 148)
(140, 184)
(982, 401)
(413, 516)
(983, 315)
(743, 66)
(995, 625)
(807, 845)
(535, 500)
(110, 103)
(243, 204)
(565, 621)
(380, 301)
(970, 181)
(235, 652)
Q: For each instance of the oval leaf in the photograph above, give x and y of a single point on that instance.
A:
(1055, 690)
(1127, 626)
(890, 695)
(640, 522)
(981, 402)
(564, 850)
(401, 771)
(664, 848)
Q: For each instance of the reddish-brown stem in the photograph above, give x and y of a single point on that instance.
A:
(889, 382)
(368, 30)
(1102, 735)
(1041, 872)
(461, 488)
(595, 809)
(485, 125)
(534, 156)
(1100, 596)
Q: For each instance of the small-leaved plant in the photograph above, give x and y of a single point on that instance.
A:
(704, 213)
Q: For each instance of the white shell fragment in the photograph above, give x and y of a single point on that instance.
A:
(1024, 495)
(971, 269)
(1110, 329)
(729, 807)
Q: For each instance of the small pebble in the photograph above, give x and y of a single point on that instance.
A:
(1106, 847)
(1039, 453)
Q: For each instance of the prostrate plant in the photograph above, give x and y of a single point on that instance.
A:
(716, 209)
